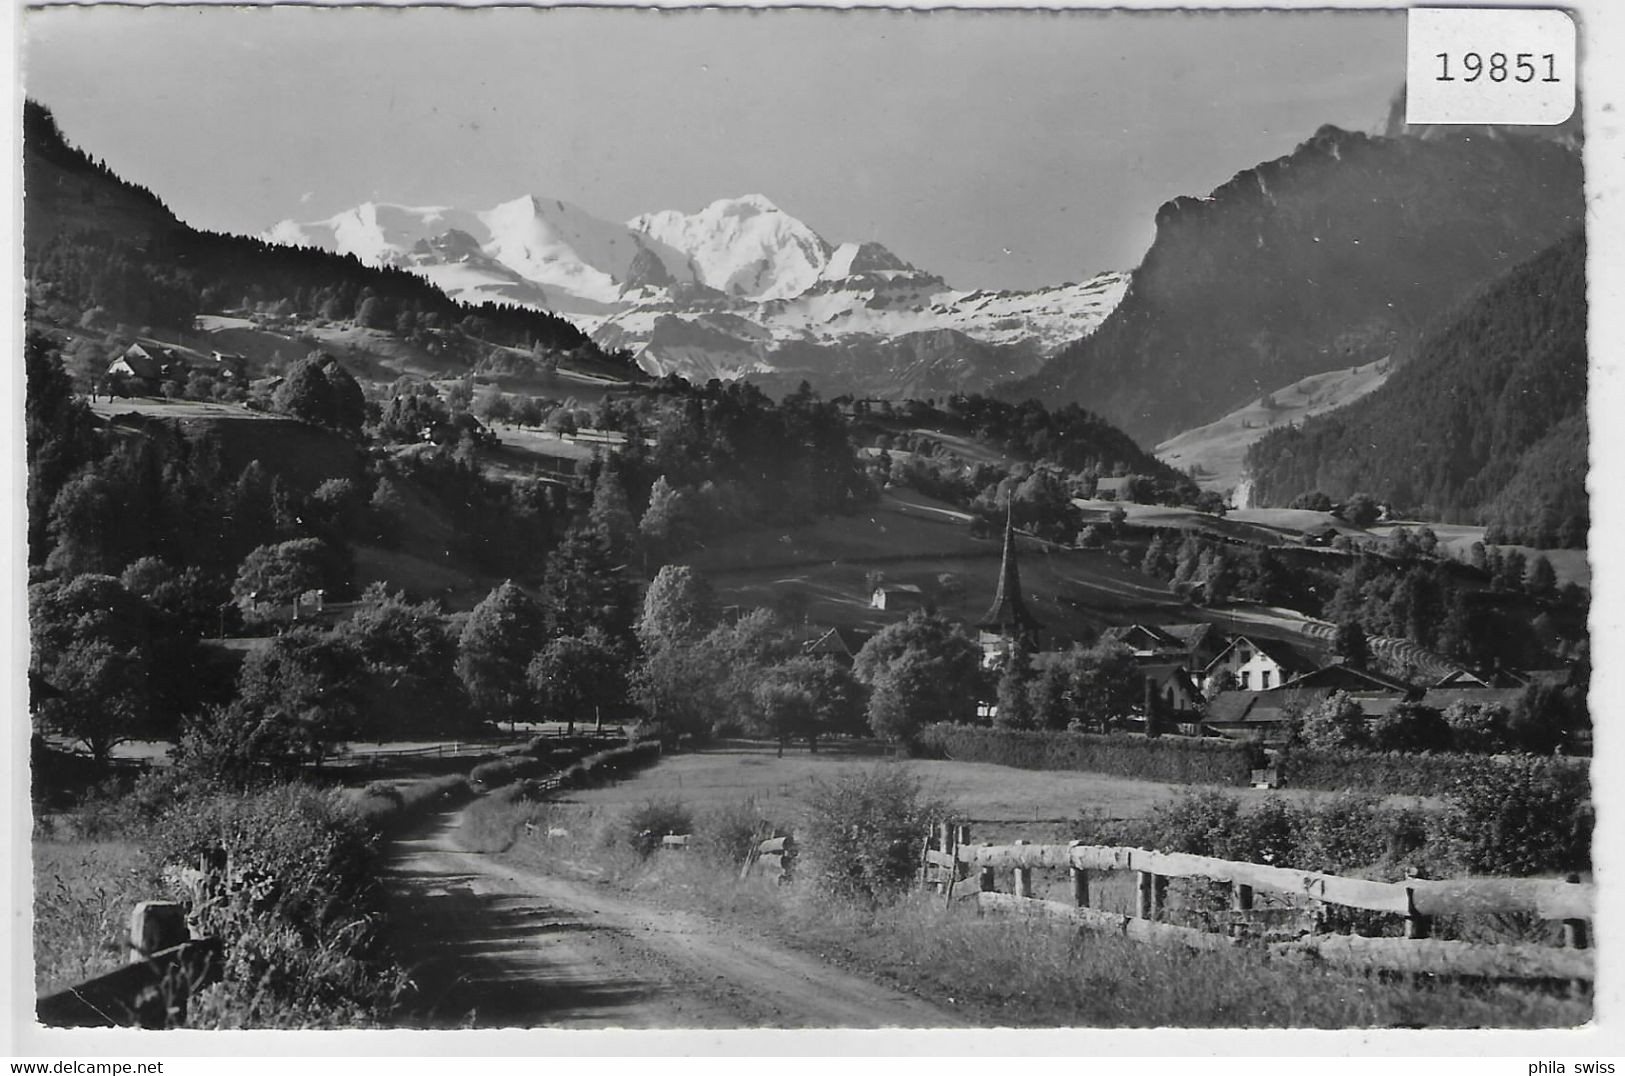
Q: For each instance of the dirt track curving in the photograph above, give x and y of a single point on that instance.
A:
(492, 945)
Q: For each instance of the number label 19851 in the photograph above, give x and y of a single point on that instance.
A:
(1489, 65)
(1498, 67)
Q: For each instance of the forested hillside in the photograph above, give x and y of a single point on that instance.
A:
(95, 241)
(1485, 422)
(1330, 257)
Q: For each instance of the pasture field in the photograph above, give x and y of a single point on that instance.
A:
(913, 539)
(1220, 447)
(1011, 802)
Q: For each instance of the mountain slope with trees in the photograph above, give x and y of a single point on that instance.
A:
(93, 241)
(1333, 256)
(1486, 422)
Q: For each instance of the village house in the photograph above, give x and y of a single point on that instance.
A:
(894, 597)
(1257, 666)
(841, 644)
(142, 368)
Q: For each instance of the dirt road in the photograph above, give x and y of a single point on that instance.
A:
(492, 945)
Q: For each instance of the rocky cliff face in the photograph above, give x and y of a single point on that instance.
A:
(1326, 258)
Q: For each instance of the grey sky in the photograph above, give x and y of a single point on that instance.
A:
(1000, 149)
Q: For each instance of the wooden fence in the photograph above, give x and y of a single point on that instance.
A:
(152, 990)
(772, 858)
(948, 859)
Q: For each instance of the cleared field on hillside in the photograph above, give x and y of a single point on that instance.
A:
(913, 539)
(1220, 447)
(1010, 801)
(304, 455)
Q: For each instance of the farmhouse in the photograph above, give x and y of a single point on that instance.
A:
(897, 596)
(842, 644)
(142, 368)
(1257, 666)
(1191, 645)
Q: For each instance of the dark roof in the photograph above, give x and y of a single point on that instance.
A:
(140, 361)
(1008, 610)
(844, 641)
(1153, 637)
(1348, 678)
(1190, 635)
(1281, 653)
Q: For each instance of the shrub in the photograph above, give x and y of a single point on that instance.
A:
(862, 832)
(1523, 816)
(1343, 833)
(301, 915)
(643, 826)
(1400, 773)
(505, 771)
(728, 833)
(1178, 759)
(1200, 823)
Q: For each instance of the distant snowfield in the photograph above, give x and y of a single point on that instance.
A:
(710, 294)
(1220, 447)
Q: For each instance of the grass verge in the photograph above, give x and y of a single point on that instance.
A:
(998, 973)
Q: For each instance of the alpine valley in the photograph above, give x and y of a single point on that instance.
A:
(739, 289)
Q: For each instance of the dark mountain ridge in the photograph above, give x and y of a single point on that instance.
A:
(1484, 421)
(92, 239)
(1332, 256)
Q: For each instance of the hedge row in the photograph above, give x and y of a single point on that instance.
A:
(1186, 760)
(1178, 759)
(505, 771)
(594, 769)
(388, 808)
(1405, 773)
(608, 764)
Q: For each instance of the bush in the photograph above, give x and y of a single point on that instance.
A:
(300, 919)
(643, 826)
(727, 834)
(1524, 816)
(388, 809)
(862, 832)
(1200, 823)
(505, 771)
(1400, 773)
(1178, 759)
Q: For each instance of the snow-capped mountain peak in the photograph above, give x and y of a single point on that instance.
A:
(746, 247)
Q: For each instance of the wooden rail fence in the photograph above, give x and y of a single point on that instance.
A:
(949, 858)
(152, 989)
(772, 858)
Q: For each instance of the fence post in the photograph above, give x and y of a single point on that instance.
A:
(1575, 932)
(1142, 894)
(156, 925)
(1080, 882)
(1024, 879)
(987, 881)
(1416, 926)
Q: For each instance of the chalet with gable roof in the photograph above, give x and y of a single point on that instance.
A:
(142, 368)
(841, 644)
(1258, 666)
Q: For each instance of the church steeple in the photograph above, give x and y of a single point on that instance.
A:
(1008, 615)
